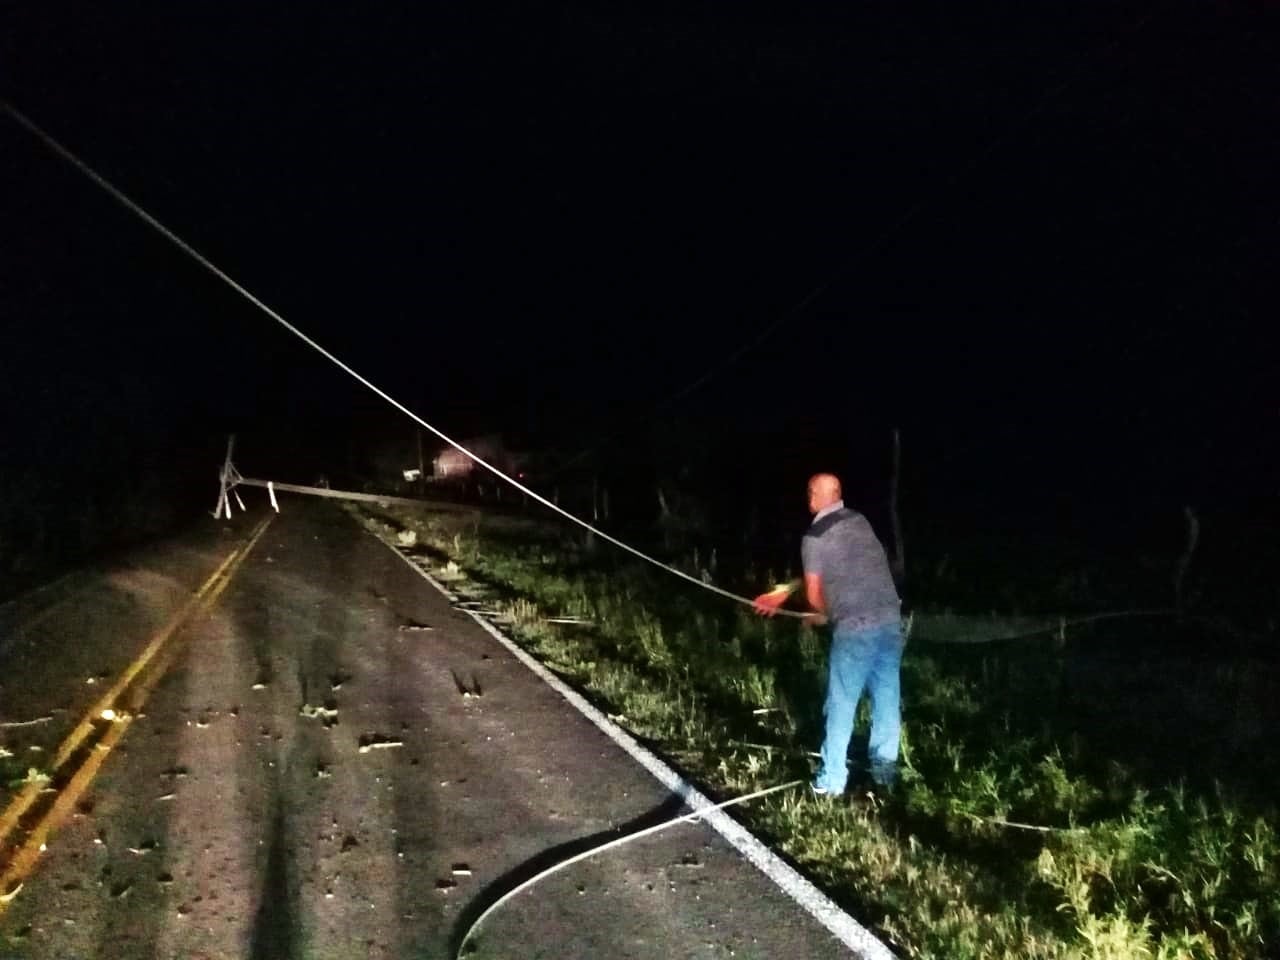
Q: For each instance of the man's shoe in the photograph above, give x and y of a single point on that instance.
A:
(820, 791)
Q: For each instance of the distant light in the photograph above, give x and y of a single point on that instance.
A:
(108, 714)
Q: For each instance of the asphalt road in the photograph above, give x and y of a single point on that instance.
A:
(239, 817)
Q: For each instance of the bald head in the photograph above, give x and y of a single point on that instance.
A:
(824, 490)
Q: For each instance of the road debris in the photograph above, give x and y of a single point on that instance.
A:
(461, 870)
(34, 775)
(326, 715)
(413, 626)
(11, 724)
(376, 742)
(467, 690)
(446, 884)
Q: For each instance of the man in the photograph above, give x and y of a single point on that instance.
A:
(847, 583)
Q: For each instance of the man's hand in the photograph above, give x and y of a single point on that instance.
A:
(767, 604)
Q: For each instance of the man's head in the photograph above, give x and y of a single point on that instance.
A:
(824, 490)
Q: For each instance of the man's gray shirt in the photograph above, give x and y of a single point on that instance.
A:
(842, 549)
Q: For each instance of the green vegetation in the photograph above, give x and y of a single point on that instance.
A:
(1007, 837)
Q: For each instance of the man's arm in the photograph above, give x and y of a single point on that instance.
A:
(813, 593)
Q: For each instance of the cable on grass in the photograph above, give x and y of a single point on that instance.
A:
(204, 261)
(1014, 825)
(611, 845)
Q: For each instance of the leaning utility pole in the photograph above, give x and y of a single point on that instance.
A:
(898, 565)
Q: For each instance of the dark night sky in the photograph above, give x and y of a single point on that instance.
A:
(1044, 233)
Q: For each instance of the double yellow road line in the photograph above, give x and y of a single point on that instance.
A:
(42, 806)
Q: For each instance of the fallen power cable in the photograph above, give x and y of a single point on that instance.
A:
(613, 844)
(230, 477)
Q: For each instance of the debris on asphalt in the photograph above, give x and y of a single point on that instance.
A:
(327, 715)
(34, 775)
(461, 870)
(9, 724)
(413, 626)
(445, 885)
(467, 690)
(376, 742)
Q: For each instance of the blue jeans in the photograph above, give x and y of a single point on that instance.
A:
(866, 659)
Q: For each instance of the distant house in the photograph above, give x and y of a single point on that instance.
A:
(453, 464)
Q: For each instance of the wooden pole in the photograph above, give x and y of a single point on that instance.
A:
(422, 466)
(899, 562)
(1184, 562)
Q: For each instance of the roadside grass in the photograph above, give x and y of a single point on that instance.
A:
(1006, 838)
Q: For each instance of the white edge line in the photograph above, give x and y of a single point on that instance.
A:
(840, 924)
